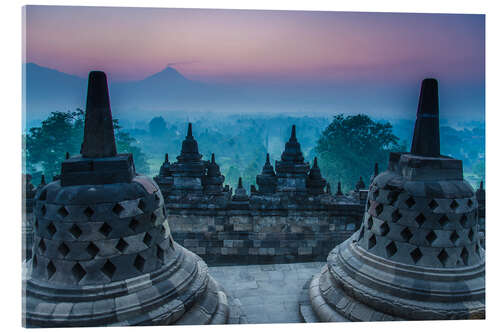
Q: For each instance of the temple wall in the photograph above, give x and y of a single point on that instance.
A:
(262, 236)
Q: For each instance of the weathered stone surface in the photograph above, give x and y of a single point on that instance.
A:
(417, 255)
(103, 253)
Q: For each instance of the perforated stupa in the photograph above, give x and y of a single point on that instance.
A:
(417, 255)
(103, 253)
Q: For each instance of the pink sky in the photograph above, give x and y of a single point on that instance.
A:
(232, 45)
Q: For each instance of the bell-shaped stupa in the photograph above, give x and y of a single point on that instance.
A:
(103, 253)
(291, 170)
(213, 181)
(267, 179)
(165, 179)
(417, 254)
(315, 183)
(189, 169)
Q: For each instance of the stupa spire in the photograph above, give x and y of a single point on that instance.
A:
(426, 133)
(190, 131)
(98, 137)
(67, 155)
(240, 183)
(293, 136)
(339, 189)
(42, 181)
(213, 159)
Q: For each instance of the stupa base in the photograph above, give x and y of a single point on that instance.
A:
(180, 293)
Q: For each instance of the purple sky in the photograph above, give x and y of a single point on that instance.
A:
(363, 50)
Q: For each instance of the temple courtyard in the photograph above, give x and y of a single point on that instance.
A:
(267, 293)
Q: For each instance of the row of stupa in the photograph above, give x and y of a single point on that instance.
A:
(191, 178)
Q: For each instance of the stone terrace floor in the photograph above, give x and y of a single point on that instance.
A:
(268, 293)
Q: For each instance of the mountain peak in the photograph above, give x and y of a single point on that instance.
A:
(169, 74)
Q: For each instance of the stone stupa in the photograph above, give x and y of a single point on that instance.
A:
(266, 180)
(103, 254)
(417, 254)
(291, 170)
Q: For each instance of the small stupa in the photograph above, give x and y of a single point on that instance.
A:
(417, 255)
(267, 179)
(315, 183)
(189, 169)
(291, 170)
(213, 181)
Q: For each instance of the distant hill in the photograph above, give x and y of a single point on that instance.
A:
(50, 90)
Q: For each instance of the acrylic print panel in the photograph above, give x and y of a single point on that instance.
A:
(195, 166)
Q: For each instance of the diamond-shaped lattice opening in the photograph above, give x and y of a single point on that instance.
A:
(63, 212)
(454, 205)
(471, 234)
(153, 218)
(43, 195)
(477, 249)
(36, 224)
(92, 249)
(396, 215)
(410, 202)
(420, 219)
(51, 228)
(63, 249)
(463, 220)
(41, 246)
(147, 239)
(384, 228)
(454, 237)
(433, 204)
(88, 212)
(142, 205)
(470, 203)
(34, 262)
(133, 224)
(372, 241)
(431, 237)
(391, 249)
(157, 197)
(105, 229)
(43, 210)
(361, 233)
(78, 272)
(379, 209)
(51, 269)
(465, 256)
(376, 194)
(369, 223)
(75, 231)
(392, 196)
(117, 209)
(443, 220)
(108, 269)
(160, 253)
(406, 234)
(121, 245)
(163, 230)
(443, 257)
(416, 254)
(139, 262)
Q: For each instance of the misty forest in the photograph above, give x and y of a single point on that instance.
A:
(347, 146)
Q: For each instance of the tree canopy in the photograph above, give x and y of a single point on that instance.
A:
(45, 147)
(157, 126)
(350, 146)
